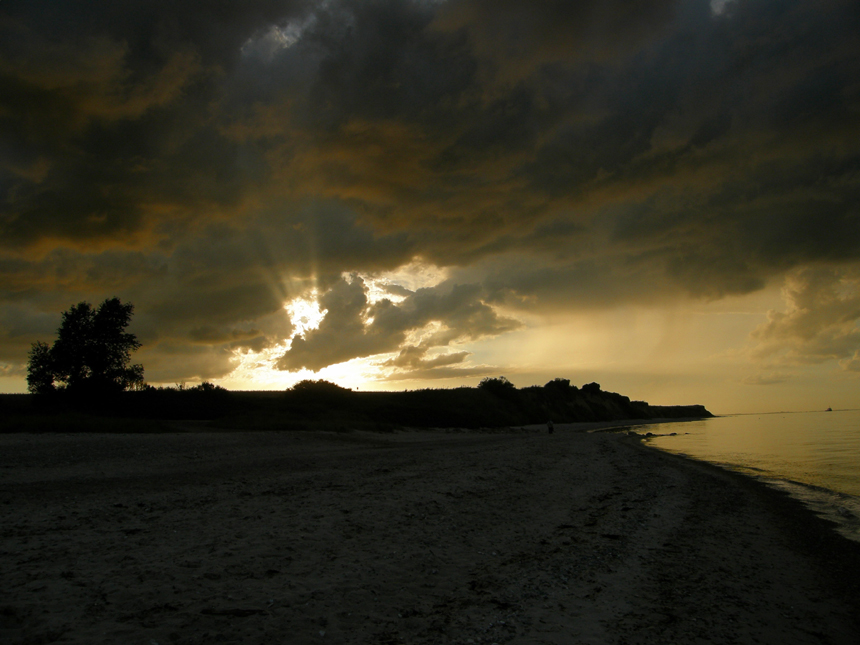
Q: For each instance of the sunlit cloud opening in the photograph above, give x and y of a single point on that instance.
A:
(305, 313)
(394, 285)
(430, 348)
(259, 371)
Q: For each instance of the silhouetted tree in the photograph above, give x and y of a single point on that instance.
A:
(40, 372)
(91, 354)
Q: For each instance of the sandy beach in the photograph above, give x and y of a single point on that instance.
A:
(408, 537)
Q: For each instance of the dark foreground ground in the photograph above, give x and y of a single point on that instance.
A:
(405, 538)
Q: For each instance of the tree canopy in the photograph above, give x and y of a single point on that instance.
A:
(92, 353)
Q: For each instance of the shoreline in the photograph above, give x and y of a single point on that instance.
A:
(817, 536)
(575, 537)
(838, 507)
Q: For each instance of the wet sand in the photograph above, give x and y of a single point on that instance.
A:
(519, 537)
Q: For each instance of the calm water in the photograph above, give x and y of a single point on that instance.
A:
(815, 456)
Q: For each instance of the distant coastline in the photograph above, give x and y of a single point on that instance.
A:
(495, 403)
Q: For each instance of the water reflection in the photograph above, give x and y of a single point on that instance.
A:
(815, 456)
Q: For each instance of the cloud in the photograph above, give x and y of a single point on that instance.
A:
(181, 362)
(514, 40)
(108, 106)
(722, 7)
(415, 358)
(443, 373)
(381, 106)
(821, 322)
(211, 161)
(851, 364)
(213, 336)
(355, 328)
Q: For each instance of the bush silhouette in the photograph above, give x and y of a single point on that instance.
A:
(320, 387)
(560, 386)
(91, 354)
(318, 393)
(591, 388)
(499, 387)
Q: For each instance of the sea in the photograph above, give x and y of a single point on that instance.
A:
(813, 456)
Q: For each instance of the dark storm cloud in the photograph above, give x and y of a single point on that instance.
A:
(106, 115)
(210, 160)
(515, 37)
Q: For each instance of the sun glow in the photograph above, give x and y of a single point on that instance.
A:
(305, 313)
(257, 370)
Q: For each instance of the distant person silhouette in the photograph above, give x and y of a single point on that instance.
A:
(549, 426)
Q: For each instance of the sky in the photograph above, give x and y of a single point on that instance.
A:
(660, 196)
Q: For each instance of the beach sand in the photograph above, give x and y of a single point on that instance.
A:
(409, 537)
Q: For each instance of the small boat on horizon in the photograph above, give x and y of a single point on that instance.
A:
(829, 410)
